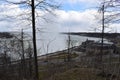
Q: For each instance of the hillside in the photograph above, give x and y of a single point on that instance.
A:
(95, 34)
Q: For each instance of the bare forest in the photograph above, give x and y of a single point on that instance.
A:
(86, 55)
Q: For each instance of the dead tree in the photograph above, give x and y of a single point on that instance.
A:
(70, 46)
(44, 5)
(29, 60)
(110, 12)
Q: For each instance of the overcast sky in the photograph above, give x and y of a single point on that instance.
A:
(73, 15)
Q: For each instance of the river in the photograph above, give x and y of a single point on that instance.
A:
(51, 42)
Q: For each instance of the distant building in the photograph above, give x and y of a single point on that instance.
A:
(86, 43)
(94, 48)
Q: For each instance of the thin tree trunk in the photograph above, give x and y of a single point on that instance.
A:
(34, 39)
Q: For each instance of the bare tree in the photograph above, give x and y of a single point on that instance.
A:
(11, 57)
(110, 12)
(44, 5)
(70, 46)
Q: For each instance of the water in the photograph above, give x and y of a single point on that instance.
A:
(51, 42)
